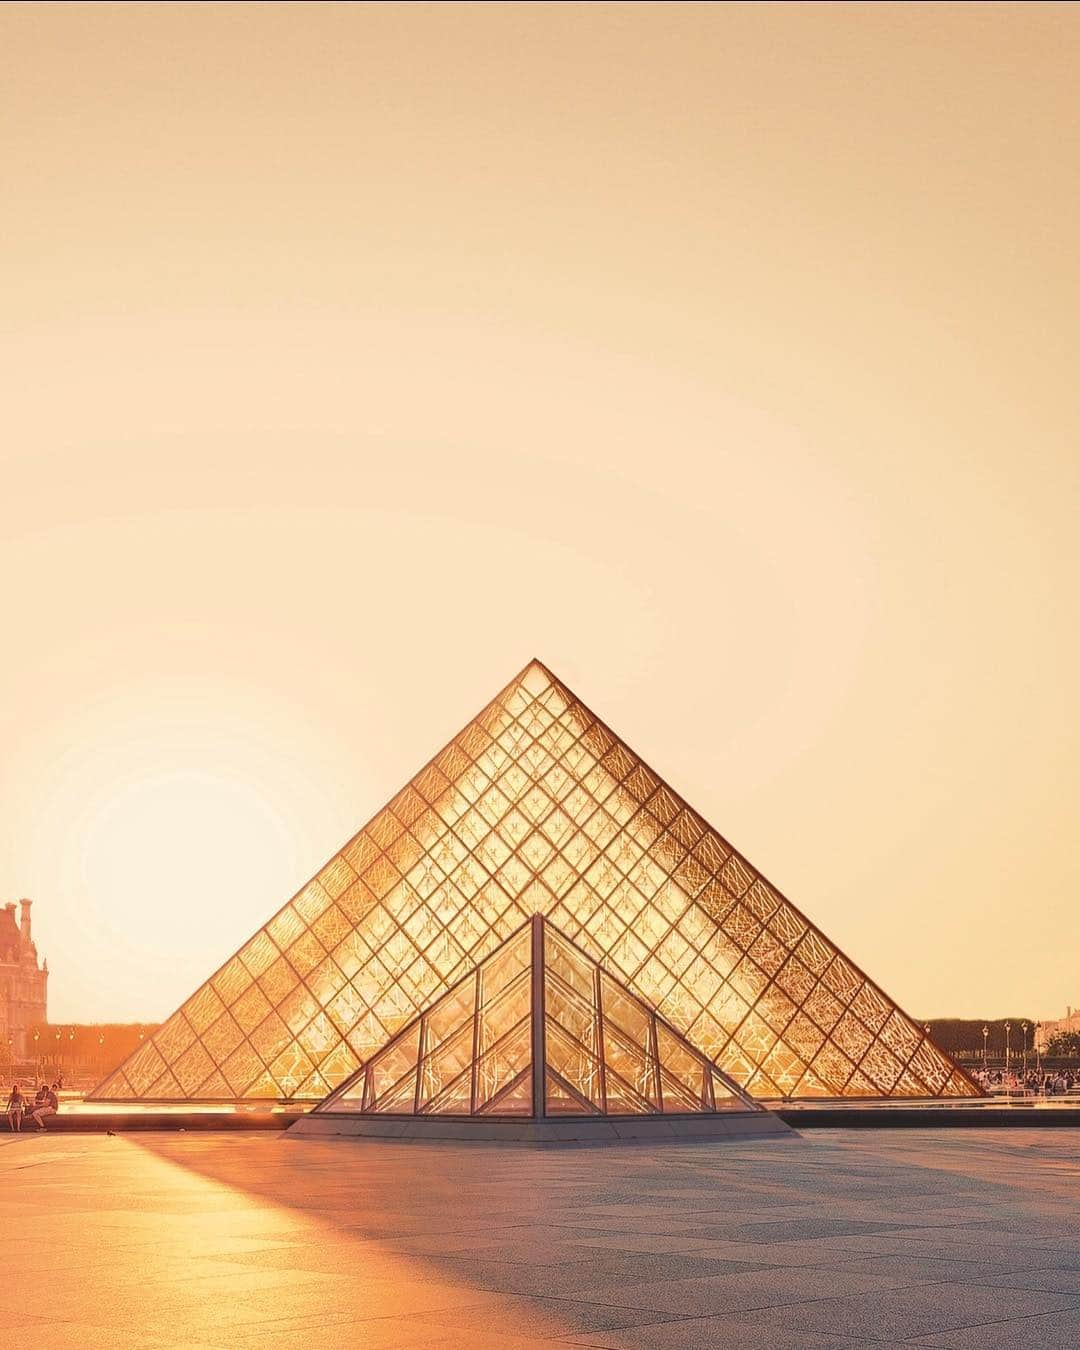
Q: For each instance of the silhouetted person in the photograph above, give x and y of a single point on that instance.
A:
(45, 1104)
(15, 1108)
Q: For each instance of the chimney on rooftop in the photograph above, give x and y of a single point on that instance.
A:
(24, 921)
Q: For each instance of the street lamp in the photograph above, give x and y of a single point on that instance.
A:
(1006, 1049)
(986, 1033)
(1024, 1029)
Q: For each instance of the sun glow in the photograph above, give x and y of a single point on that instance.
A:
(176, 821)
(178, 844)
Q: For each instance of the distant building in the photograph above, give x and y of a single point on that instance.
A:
(22, 983)
(80, 1054)
(1070, 1022)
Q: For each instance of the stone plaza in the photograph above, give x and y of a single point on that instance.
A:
(956, 1238)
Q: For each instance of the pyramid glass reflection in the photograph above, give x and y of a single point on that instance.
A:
(537, 1030)
(537, 807)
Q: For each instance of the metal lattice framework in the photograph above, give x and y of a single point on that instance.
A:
(537, 807)
(537, 999)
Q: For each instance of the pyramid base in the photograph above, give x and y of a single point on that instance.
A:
(582, 1130)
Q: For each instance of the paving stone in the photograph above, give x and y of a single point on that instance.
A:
(711, 1295)
(1045, 1331)
(903, 1314)
(549, 1316)
(710, 1333)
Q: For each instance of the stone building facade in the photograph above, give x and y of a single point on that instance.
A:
(1070, 1022)
(23, 983)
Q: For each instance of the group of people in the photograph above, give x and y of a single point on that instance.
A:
(44, 1104)
(1055, 1083)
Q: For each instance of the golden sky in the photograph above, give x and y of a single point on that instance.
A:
(723, 357)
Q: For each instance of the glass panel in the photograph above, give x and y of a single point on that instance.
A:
(635, 1066)
(504, 1063)
(448, 1015)
(679, 1062)
(569, 966)
(447, 1063)
(580, 1020)
(499, 1015)
(454, 1100)
(242, 1069)
(514, 1100)
(724, 1099)
(174, 1037)
(560, 1101)
(625, 1099)
(678, 1097)
(339, 1064)
(398, 1098)
(624, 1012)
(147, 1065)
(578, 1067)
(399, 1058)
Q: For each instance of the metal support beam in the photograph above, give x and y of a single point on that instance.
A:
(539, 1058)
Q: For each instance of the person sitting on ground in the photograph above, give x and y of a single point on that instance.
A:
(46, 1107)
(15, 1107)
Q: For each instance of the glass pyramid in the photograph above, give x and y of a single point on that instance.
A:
(537, 1000)
(537, 807)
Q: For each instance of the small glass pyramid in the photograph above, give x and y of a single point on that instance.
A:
(538, 1000)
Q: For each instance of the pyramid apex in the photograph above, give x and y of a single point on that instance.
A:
(535, 676)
